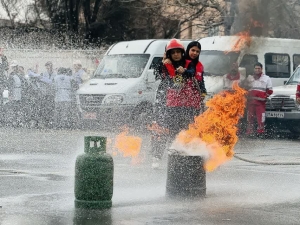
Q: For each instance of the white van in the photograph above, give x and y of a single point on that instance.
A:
(124, 85)
(279, 58)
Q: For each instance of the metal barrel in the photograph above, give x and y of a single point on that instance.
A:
(186, 176)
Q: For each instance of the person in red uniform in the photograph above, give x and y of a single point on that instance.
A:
(259, 88)
(177, 98)
(233, 76)
(298, 93)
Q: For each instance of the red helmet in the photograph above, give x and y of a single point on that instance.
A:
(174, 43)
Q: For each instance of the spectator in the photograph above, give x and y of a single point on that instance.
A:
(15, 86)
(79, 74)
(3, 75)
(46, 88)
(63, 98)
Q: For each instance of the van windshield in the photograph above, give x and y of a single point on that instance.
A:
(217, 62)
(295, 78)
(122, 66)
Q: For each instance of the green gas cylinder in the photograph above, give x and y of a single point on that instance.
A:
(94, 175)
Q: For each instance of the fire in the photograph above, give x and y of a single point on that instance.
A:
(244, 37)
(215, 130)
(255, 23)
(129, 146)
(244, 40)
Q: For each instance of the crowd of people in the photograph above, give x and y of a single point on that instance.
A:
(40, 99)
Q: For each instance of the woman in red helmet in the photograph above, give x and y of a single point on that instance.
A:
(177, 101)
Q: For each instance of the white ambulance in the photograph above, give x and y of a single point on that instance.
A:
(123, 86)
(279, 58)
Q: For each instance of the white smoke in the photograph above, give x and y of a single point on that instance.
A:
(196, 147)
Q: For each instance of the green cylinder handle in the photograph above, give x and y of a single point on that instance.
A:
(94, 144)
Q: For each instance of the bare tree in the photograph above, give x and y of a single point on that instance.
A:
(274, 18)
(286, 23)
(12, 9)
(202, 14)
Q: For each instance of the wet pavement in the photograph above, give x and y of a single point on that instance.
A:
(37, 184)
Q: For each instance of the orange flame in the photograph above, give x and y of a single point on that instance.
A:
(243, 41)
(244, 37)
(217, 126)
(129, 146)
(256, 23)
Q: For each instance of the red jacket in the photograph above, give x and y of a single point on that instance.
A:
(298, 91)
(260, 88)
(188, 95)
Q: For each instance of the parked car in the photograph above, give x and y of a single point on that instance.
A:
(282, 109)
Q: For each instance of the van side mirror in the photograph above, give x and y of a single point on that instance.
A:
(150, 78)
(284, 82)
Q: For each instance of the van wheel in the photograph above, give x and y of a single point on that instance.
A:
(141, 117)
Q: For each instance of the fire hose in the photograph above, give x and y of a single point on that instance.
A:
(267, 163)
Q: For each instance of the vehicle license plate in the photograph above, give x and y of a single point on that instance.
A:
(90, 115)
(275, 114)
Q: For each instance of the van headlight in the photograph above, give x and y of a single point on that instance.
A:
(113, 99)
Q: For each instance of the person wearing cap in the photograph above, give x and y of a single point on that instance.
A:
(177, 99)
(80, 75)
(15, 86)
(192, 54)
